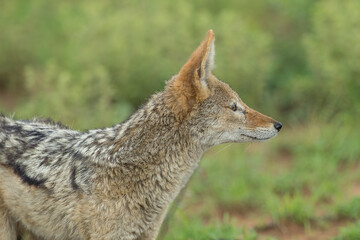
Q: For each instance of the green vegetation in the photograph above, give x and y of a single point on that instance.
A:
(91, 63)
(193, 228)
(350, 209)
(351, 232)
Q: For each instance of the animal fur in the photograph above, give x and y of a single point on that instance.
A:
(118, 182)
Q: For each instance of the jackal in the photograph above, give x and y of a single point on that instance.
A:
(118, 182)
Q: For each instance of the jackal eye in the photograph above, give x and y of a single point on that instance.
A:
(234, 107)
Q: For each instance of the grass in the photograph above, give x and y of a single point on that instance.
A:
(350, 209)
(193, 228)
(351, 232)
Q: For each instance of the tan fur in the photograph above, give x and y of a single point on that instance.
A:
(118, 182)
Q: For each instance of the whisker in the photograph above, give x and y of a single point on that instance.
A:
(225, 147)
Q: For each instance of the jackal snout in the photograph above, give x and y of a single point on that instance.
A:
(256, 119)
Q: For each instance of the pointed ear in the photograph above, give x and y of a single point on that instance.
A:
(201, 62)
(191, 85)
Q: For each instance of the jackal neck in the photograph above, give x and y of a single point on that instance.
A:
(151, 135)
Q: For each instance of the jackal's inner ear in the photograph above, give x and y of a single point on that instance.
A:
(207, 62)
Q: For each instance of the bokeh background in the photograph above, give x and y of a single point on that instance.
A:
(91, 63)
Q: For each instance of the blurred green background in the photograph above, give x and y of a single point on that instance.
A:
(91, 63)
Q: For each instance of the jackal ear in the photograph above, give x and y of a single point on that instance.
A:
(201, 62)
(192, 84)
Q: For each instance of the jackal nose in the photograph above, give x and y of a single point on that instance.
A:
(278, 126)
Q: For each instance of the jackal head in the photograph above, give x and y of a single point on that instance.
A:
(210, 106)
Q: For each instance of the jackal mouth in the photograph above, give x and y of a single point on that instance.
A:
(256, 138)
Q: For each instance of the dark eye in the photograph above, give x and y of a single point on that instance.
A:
(233, 107)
